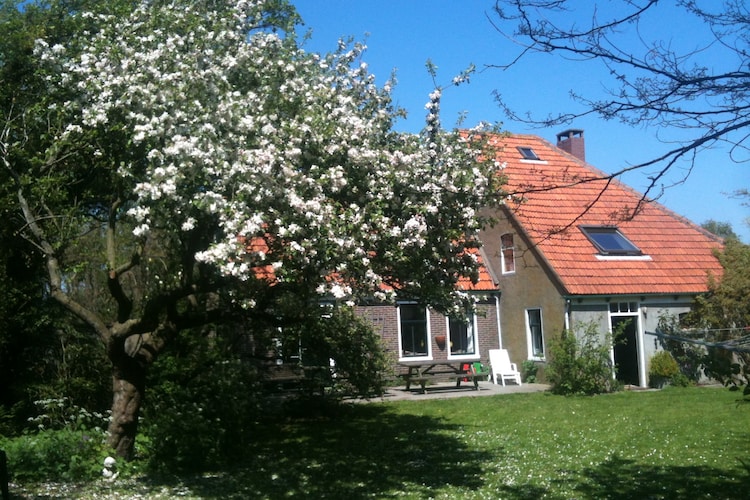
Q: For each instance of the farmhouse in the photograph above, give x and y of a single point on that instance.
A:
(573, 246)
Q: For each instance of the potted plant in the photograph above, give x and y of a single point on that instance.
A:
(440, 341)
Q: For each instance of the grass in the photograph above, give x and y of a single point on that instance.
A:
(675, 443)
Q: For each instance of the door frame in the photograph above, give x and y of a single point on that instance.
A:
(617, 311)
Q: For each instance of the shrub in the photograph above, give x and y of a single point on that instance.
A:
(680, 380)
(528, 371)
(580, 363)
(200, 412)
(205, 403)
(662, 369)
(67, 444)
(362, 363)
(55, 455)
(62, 413)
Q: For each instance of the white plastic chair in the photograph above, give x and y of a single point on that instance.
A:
(502, 367)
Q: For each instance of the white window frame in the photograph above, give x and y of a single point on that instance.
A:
(529, 336)
(472, 320)
(629, 309)
(428, 338)
(503, 248)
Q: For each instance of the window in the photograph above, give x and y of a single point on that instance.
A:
(527, 153)
(507, 254)
(462, 336)
(608, 240)
(623, 307)
(535, 334)
(413, 326)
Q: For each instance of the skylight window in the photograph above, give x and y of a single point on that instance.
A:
(528, 153)
(610, 241)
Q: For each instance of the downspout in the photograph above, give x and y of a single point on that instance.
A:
(641, 344)
(567, 314)
(497, 317)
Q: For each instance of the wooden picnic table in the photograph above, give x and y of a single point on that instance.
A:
(421, 371)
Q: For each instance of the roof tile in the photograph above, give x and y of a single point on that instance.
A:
(553, 197)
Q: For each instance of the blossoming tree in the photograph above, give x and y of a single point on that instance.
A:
(221, 163)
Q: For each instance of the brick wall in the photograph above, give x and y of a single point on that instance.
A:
(384, 319)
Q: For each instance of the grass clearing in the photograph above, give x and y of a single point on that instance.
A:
(675, 443)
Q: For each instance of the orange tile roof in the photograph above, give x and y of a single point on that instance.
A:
(486, 281)
(681, 253)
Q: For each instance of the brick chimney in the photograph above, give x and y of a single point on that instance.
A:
(571, 141)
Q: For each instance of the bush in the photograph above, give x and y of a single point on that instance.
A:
(680, 380)
(55, 455)
(205, 403)
(200, 412)
(68, 444)
(528, 371)
(362, 363)
(581, 363)
(662, 369)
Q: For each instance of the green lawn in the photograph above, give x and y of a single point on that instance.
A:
(675, 443)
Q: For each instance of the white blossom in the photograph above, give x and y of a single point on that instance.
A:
(241, 128)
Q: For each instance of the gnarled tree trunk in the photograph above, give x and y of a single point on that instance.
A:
(128, 388)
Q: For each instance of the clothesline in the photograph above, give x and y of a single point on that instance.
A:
(741, 344)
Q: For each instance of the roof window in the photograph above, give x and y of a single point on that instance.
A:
(610, 241)
(528, 153)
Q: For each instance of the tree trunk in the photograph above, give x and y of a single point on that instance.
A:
(128, 387)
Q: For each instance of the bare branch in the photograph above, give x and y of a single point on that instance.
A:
(703, 89)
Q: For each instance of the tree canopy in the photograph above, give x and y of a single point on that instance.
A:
(722, 229)
(726, 305)
(724, 314)
(221, 173)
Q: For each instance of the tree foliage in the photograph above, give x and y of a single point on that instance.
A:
(726, 303)
(699, 86)
(181, 165)
(43, 351)
(720, 318)
(722, 229)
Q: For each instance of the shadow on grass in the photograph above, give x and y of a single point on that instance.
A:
(621, 479)
(359, 451)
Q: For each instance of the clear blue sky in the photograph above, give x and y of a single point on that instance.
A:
(401, 35)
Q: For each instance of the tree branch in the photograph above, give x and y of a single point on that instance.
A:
(661, 87)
